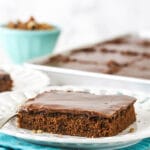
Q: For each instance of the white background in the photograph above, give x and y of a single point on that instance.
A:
(81, 21)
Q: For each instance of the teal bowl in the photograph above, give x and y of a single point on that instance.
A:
(23, 45)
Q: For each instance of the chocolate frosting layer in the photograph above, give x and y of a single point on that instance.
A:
(78, 103)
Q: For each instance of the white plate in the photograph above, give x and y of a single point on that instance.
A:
(25, 79)
(124, 139)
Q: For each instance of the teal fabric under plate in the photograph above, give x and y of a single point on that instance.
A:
(11, 143)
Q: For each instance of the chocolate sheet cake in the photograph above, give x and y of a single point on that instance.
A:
(77, 113)
(5, 81)
(127, 56)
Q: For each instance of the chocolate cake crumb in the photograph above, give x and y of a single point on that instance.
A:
(39, 131)
(131, 130)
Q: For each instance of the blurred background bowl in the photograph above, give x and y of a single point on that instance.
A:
(24, 45)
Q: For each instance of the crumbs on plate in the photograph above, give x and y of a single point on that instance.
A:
(37, 131)
(131, 130)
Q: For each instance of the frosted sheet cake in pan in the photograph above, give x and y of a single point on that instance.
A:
(127, 55)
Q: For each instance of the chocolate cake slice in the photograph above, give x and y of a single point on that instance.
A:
(77, 113)
(5, 81)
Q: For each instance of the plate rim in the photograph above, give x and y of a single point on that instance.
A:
(75, 140)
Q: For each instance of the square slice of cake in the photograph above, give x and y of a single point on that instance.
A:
(5, 81)
(77, 113)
